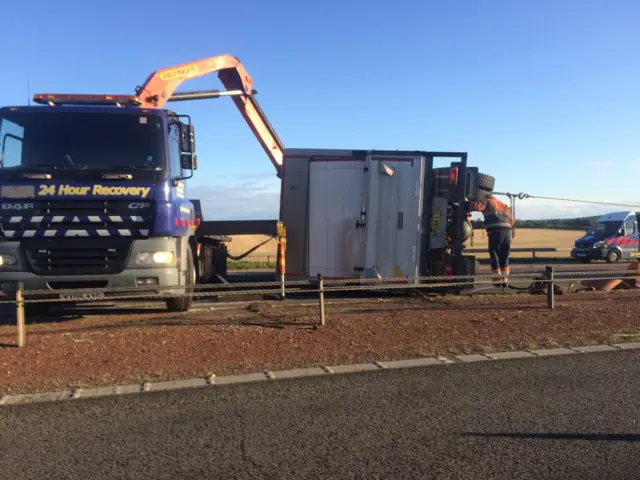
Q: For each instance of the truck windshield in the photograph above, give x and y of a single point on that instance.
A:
(605, 228)
(81, 140)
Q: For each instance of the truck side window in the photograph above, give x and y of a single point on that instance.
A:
(174, 151)
(11, 143)
(629, 226)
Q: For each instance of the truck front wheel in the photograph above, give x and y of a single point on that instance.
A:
(183, 303)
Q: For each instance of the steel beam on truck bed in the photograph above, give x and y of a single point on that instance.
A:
(237, 227)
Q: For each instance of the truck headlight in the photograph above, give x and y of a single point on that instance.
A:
(598, 244)
(149, 258)
(6, 259)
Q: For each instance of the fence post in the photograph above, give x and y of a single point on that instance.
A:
(20, 314)
(321, 298)
(282, 248)
(550, 288)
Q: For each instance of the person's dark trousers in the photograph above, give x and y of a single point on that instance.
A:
(499, 251)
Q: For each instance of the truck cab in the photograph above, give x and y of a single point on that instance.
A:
(92, 195)
(612, 238)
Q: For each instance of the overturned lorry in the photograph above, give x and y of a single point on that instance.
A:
(361, 214)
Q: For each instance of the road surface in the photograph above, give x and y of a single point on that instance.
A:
(571, 417)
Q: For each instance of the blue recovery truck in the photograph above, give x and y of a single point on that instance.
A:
(93, 190)
(612, 238)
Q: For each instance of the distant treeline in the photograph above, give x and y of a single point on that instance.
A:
(582, 223)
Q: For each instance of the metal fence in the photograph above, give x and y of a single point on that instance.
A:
(546, 282)
(270, 259)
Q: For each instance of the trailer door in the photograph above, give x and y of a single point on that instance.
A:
(336, 202)
(394, 216)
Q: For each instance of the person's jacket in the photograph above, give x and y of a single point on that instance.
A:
(496, 214)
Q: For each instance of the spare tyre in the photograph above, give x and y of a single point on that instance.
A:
(485, 182)
(479, 196)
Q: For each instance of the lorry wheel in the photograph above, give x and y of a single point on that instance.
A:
(484, 187)
(479, 196)
(36, 311)
(613, 256)
(183, 304)
(485, 182)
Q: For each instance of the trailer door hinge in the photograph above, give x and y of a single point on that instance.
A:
(360, 224)
(358, 269)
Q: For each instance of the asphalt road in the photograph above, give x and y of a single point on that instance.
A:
(548, 418)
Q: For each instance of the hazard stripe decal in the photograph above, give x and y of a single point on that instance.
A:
(91, 232)
(74, 219)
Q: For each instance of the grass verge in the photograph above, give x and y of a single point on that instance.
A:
(242, 265)
(99, 350)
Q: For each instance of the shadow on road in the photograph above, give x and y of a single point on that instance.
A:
(591, 437)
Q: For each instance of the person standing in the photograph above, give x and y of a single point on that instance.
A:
(499, 223)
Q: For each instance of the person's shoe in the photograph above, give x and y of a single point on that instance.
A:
(496, 280)
(505, 278)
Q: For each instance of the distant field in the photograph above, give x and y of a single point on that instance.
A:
(525, 238)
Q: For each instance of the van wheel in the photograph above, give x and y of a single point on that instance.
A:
(613, 256)
(183, 304)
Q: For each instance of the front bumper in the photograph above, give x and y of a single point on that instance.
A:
(161, 276)
(590, 253)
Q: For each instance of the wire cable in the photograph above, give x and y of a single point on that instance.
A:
(522, 196)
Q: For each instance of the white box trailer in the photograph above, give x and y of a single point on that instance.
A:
(356, 214)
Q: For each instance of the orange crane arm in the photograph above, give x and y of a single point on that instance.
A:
(160, 86)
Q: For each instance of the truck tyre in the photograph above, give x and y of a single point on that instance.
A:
(613, 256)
(479, 196)
(485, 182)
(484, 187)
(183, 304)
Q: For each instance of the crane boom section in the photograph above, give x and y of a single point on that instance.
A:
(161, 85)
(160, 88)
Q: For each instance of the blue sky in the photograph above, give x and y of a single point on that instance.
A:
(544, 95)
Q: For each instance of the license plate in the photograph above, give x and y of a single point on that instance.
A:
(82, 296)
(581, 254)
(17, 191)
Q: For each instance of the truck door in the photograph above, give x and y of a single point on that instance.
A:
(629, 243)
(394, 216)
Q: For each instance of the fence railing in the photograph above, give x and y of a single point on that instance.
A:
(271, 259)
(532, 250)
(546, 279)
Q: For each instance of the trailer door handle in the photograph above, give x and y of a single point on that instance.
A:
(400, 220)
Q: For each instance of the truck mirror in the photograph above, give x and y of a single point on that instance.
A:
(187, 138)
(187, 161)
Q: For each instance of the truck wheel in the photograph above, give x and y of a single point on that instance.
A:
(36, 311)
(613, 256)
(484, 187)
(183, 304)
(485, 182)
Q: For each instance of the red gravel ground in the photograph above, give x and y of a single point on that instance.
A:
(135, 347)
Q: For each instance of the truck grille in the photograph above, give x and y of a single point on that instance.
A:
(95, 256)
(95, 218)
